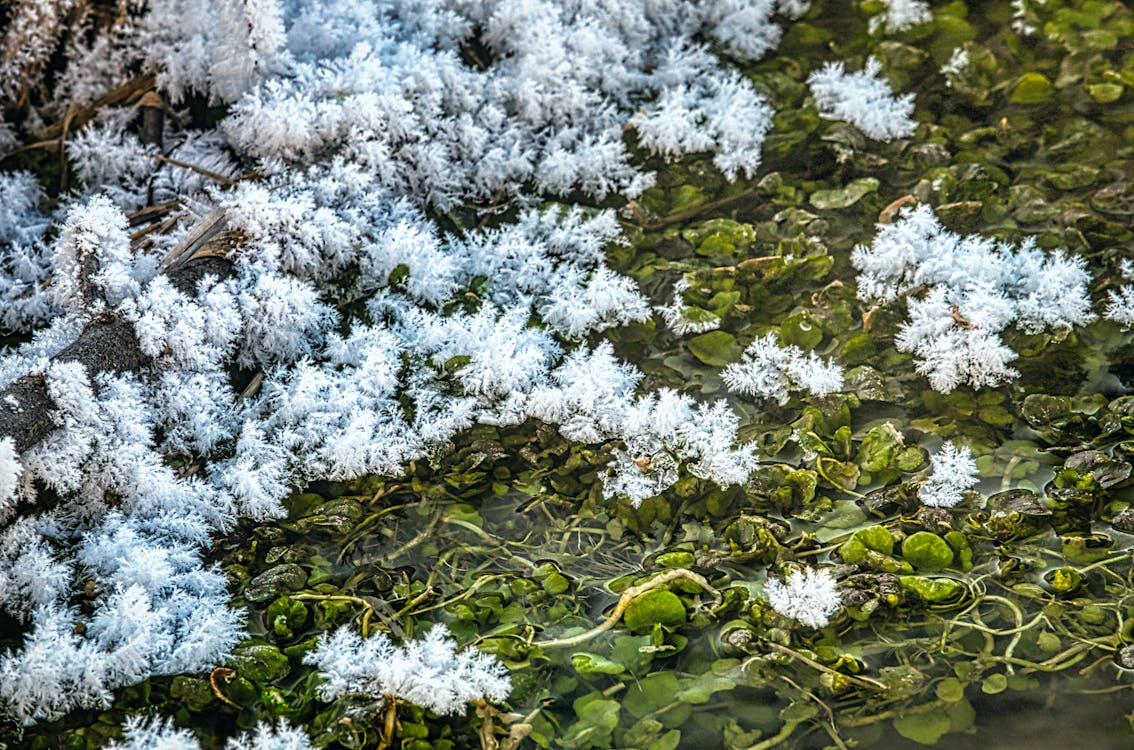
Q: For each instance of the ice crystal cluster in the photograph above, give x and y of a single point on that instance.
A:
(353, 121)
(863, 99)
(962, 292)
(158, 734)
(809, 596)
(428, 672)
(899, 15)
(1120, 301)
(954, 472)
(769, 370)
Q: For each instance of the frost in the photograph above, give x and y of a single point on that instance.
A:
(25, 264)
(976, 288)
(684, 320)
(429, 672)
(900, 15)
(862, 99)
(154, 734)
(954, 472)
(1120, 306)
(1120, 301)
(266, 736)
(808, 596)
(357, 127)
(93, 263)
(10, 470)
(160, 734)
(957, 63)
(769, 370)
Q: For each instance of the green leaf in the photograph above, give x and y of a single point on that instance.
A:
(701, 689)
(802, 330)
(585, 662)
(879, 447)
(1105, 93)
(927, 551)
(650, 693)
(715, 348)
(962, 551)
(675, 559)
(1032, 88)
(668, 741)
(799, 710)
(658, 606)
(933, 590)
(844, 197)
(950, 690)
(1064, 580)
(923, 728)
(877, 538)
(994, 683)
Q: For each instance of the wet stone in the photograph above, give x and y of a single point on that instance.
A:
(1024, 502)
(1124, 521)
(275, 581)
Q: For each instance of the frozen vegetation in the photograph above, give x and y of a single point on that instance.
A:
(349, 127)
(963, 291)
(357, 120)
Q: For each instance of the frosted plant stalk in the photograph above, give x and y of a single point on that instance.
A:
(1120, 301)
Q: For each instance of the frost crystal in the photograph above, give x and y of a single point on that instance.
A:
(807, 595)
(1120, 302)
(9, 473)
(1120, 306)
(268, 737)
(954, 471)
(862, 99)
(160, 734)
(900, 15)
(956, 65)
(154, 734)
(976, 288)
(769, 370)
(684, 320)
(429, 672)
(355, 123)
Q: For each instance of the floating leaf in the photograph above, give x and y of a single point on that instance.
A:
(995, 683)
(1064, 580)
(925, 727)
(587, 663)
(927, 551)
(844, 197)
(656, 607)
(1105, 93)
(1032, 88)
(933, 590)
(950, 690)
(716, 348)
(650, 693)
(701, 689)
